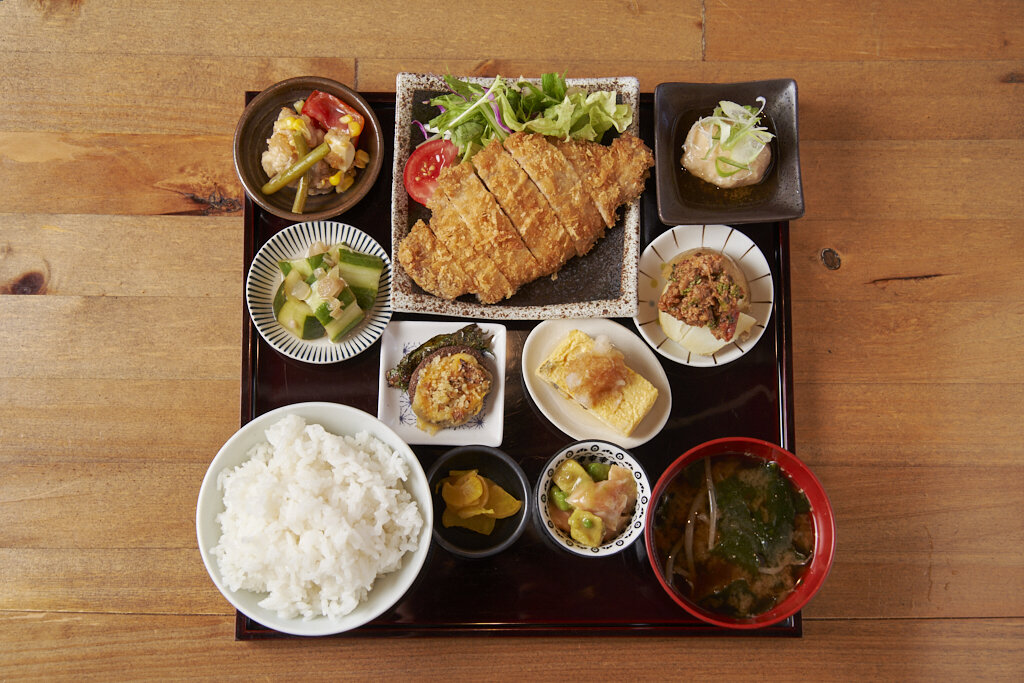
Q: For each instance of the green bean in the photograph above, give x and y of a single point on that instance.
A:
(299, 140)
(302, 191)
(293, 172)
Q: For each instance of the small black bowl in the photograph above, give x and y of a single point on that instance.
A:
(256, 125)
(503, 471)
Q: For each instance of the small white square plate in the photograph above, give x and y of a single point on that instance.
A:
(393, 409)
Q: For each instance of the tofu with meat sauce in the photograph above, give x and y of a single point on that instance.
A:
(703, 306)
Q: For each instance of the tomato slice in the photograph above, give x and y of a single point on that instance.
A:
(328, 111)
(425, 165)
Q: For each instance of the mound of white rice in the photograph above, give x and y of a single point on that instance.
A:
(313, 519)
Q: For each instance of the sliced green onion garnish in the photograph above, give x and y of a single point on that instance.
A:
(738, 130)
(731, 167)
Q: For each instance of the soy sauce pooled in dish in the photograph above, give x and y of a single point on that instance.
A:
(734, 535)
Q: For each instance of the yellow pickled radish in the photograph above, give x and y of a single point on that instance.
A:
(469, 489)
(502, 503)
(482, 524)
(474, 502)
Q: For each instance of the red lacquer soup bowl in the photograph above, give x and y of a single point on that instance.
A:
(810, 575)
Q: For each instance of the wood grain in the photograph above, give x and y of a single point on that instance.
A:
(87, 337)
(143, 256)
(201, 646)
(894, 261)
(118, 424)
(865, 31)
(120, 310)
(390, 28)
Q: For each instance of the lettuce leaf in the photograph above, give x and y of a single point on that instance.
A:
(472, 116)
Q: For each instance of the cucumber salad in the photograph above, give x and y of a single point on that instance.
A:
(328, 292)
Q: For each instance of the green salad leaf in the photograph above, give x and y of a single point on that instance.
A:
(472, 116)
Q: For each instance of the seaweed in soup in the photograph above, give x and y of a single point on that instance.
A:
(746, 557)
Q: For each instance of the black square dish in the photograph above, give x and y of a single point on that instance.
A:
(685, 199)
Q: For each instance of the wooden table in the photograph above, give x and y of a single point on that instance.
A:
(120, 255)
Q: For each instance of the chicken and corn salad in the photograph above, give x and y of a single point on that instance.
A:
(315, 148)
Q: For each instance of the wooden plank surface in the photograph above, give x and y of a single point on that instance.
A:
(120, 310)
(201, 646)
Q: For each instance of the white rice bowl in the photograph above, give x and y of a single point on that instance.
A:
(311, 533)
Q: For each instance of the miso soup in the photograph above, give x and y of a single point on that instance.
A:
(733, 534)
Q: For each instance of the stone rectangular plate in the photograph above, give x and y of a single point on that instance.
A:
(601, 284)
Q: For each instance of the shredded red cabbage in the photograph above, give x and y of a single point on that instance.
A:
(497, 114)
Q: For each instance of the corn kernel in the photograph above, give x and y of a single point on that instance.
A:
(346, 183)
(362, 158)
(354, 128)
(336, 178)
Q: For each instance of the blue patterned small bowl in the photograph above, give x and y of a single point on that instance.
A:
(595, 451)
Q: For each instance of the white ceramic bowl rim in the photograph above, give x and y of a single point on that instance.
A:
(338, 419)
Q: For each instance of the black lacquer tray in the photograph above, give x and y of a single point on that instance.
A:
(534, 588)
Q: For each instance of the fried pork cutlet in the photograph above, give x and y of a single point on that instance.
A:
(491, 232)
(448, 227)
(428, 262)
(520, 211)
(613, 174)
(561, 185)
(526, 207)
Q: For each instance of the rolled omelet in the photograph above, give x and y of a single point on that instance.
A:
(593, 373)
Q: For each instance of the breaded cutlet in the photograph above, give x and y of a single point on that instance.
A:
(429, 263)
(490, 229)
(491, 286)
(613, 174)
(561, 185)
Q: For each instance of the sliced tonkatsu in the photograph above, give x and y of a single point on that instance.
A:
(490, 285)
(561, 185)
(525, 206)
(428, 262)
(520, 211)
(490, 229)
(613, 174)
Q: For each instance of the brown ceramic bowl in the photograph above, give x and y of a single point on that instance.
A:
(256, 125)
